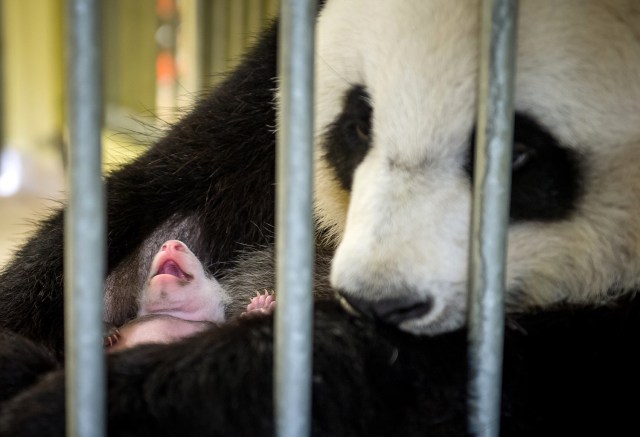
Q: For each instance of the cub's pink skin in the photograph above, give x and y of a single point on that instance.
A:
(179, 299)
(263, 303)
(178, 286)
(155, 328)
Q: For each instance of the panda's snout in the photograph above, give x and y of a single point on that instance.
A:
(391, 310)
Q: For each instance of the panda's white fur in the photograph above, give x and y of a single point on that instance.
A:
(402, 230)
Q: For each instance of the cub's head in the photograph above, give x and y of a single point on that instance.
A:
(396, 101)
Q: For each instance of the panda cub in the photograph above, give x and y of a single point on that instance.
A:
(179, 299)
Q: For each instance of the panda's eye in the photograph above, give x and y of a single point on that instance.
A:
(545, 174)
(521, 155)
(357, 116)
(362, 130)
(348, 138)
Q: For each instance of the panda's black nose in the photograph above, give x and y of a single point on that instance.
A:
(391, 310)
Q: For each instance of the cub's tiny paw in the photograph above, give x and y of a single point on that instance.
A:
(263, 303)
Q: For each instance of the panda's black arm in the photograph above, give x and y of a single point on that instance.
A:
(22, 363)
(220, 383)
(216, 164)
(566, 372)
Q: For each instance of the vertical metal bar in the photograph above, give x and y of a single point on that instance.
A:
(2, 133)
(84, 225)
(492, 182)
(294, 222)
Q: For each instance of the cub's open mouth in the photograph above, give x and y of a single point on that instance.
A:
(170, 267)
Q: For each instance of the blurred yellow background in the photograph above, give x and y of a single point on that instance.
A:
(158, 55)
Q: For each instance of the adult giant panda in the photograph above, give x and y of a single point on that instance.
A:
(395, 120)
(396, 124)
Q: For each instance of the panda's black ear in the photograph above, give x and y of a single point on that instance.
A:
(348, 138)
(546, 175)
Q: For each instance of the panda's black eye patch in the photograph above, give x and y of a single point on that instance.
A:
(545, 175)
(349, 137)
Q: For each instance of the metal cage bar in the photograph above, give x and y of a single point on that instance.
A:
(492, 188)
(294, 221)
(2, 133)
(84, 262)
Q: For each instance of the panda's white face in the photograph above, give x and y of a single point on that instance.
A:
(396, 98)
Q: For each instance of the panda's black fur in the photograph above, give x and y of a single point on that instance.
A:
(568, 372)
(214, 169)
(571, 370)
